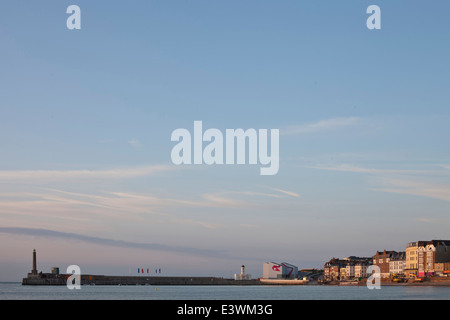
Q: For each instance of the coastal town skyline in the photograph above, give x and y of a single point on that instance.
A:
(421, 260)
(86, 174)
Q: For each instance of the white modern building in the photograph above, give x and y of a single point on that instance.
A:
(284, 270)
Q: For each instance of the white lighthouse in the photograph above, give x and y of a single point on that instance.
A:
(242, 275)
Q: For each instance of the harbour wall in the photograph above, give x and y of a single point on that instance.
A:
(59, 280)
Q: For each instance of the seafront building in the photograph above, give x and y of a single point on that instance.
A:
(397, 264)
(343, 273)
(350, 270)
(420, 259)
(347, 268)
(383, 261)
(331, 269)
(432, 253)
(361, 269)
(412, 257)
(442, 269)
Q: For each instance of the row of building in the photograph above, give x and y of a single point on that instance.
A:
(420, 259)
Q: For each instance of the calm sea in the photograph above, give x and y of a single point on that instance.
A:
(15, 291)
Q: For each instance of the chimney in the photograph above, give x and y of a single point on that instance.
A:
(34, 271)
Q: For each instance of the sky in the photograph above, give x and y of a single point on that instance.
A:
(86, 175)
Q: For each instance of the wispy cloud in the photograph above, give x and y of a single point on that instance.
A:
(427, 220)
(280, 193)
(321, 126)
(418, 188)
(135, 143)
(62, 175)
(289, 193)
(417, 182)
(357, 169)
(75, 209)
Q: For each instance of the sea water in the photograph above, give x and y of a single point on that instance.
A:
(15, 291)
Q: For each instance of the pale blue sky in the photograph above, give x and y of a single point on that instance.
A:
(86, 118)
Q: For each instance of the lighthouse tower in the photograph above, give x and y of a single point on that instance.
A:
(242, 275)
(34, 270)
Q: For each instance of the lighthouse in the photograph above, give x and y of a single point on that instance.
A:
(242, 275)
(34, 270)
